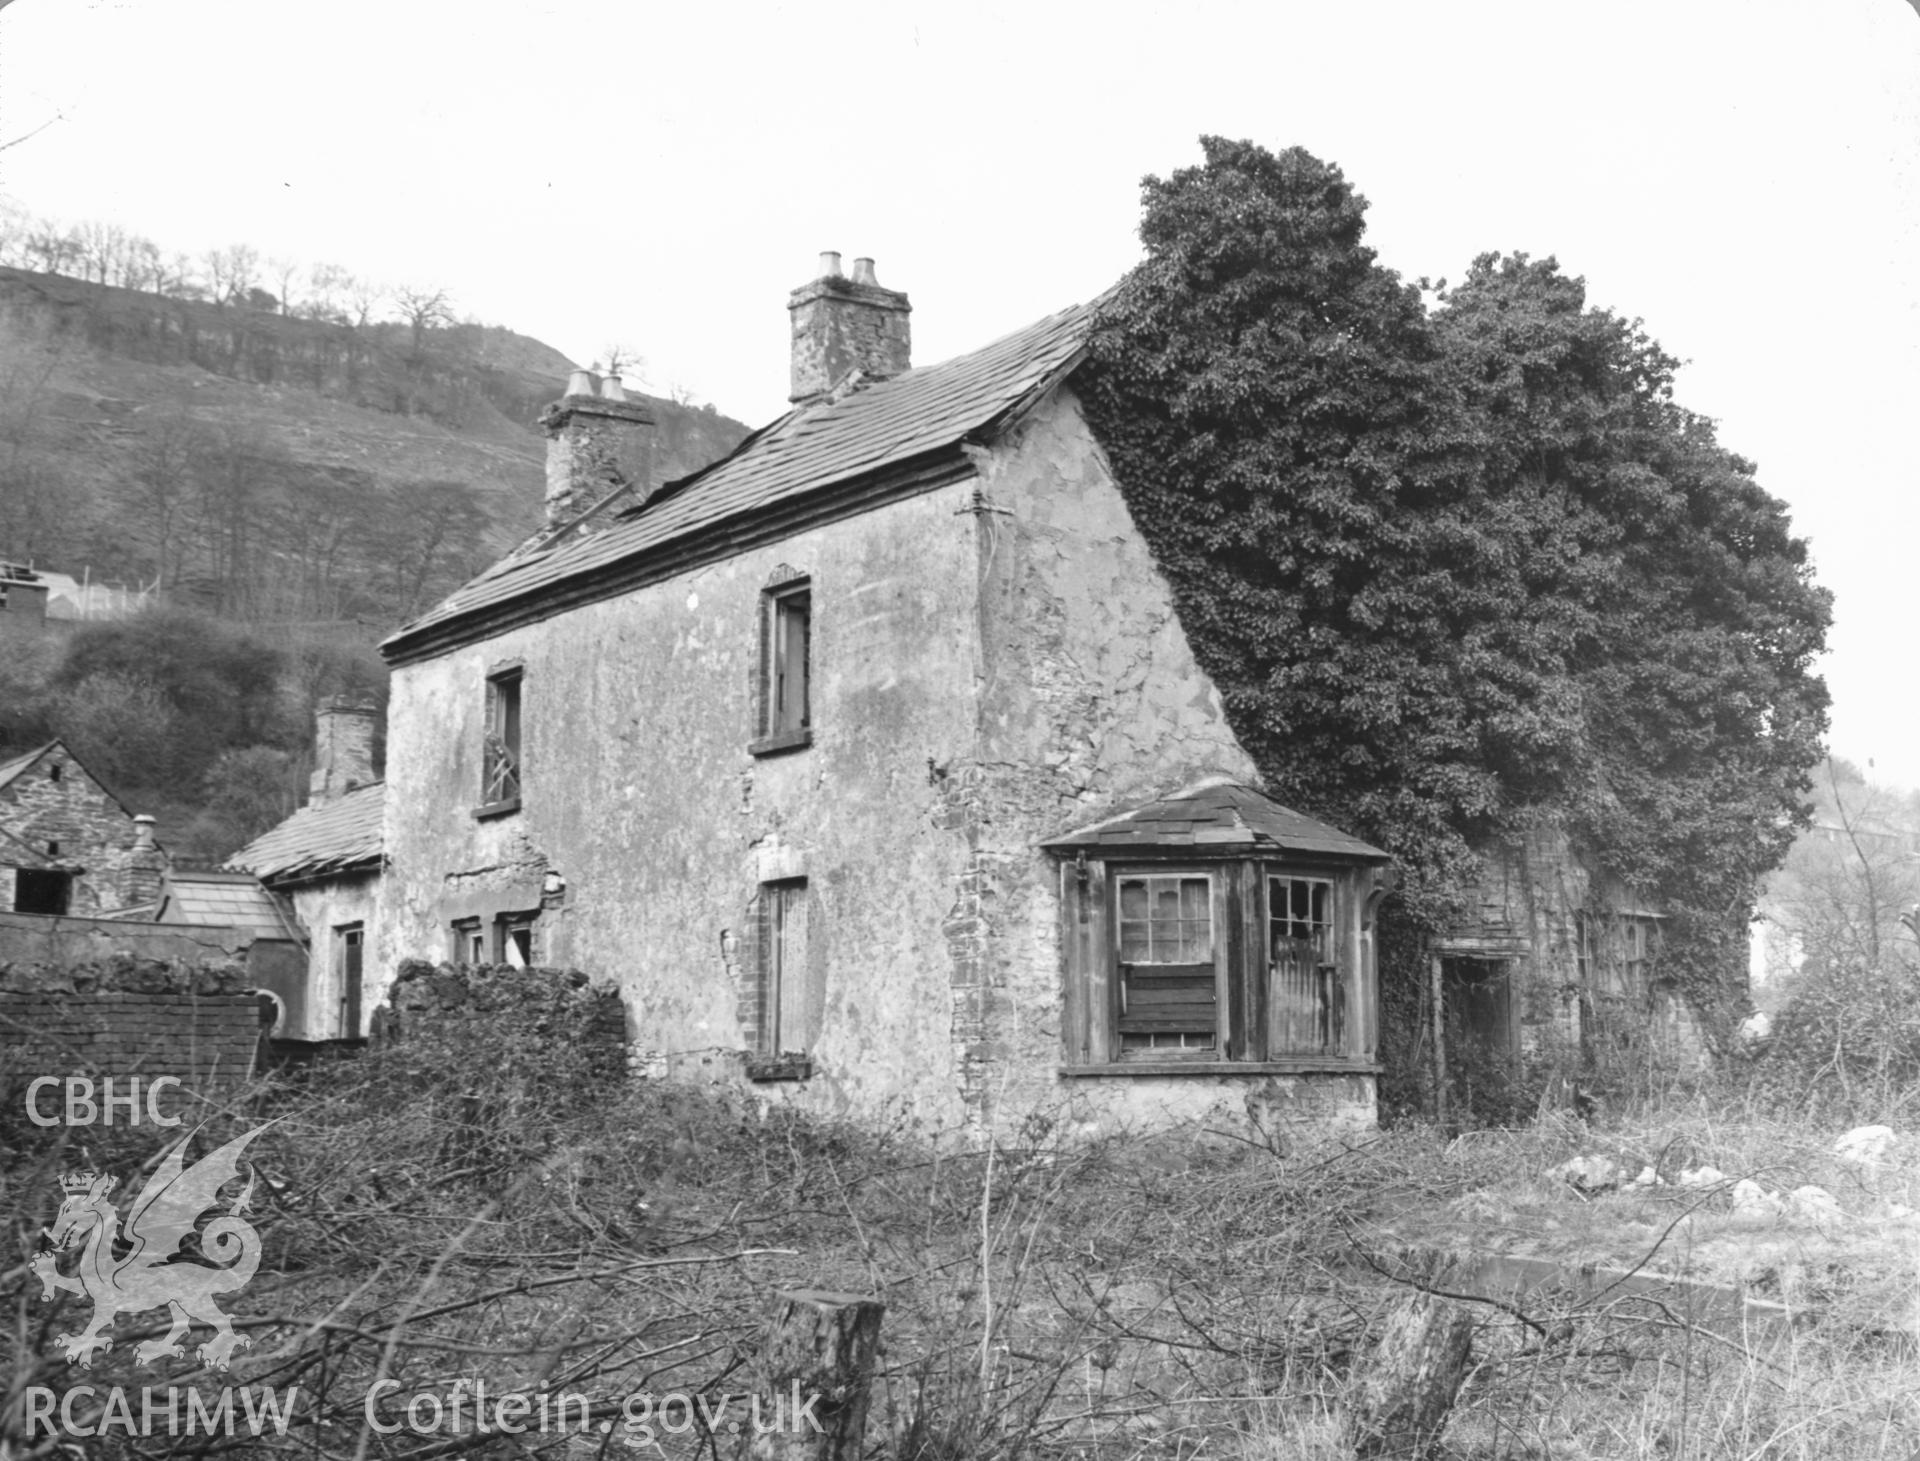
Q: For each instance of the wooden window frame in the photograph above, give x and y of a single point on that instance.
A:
(774, 983)
(1248, 1033)
(349, 984)
(503, 766)
(469, 937)
(506, 925)
(783, 701)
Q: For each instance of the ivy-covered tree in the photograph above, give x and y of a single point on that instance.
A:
(1454, 572)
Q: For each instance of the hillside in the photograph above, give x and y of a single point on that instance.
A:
(271, 467)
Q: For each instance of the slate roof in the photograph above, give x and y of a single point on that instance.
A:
(231, 900)
(11, 769)
(341, 836)
(1217, 815)
(886, 424)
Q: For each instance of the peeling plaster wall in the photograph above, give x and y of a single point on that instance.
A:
(639, 792)
(993, 662)
(1090, 700)
(321, 908)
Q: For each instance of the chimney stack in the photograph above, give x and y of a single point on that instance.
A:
(145, 864)
(598, 441)
(342, 750)
(843, 324)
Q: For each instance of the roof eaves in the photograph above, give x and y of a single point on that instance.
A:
(749, 528)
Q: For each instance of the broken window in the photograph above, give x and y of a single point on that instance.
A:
(349, 950)
(782, 1023)
(1306, 1006)
(1615, 952)
(500, 763)
(1237, 959)
(469, 942)
(784, 714)
(513, 939)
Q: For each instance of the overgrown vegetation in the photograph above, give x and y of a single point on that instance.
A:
(201, 723)
(1463, 572)
(1184, 1296)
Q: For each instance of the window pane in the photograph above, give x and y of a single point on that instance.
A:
(1133, 899)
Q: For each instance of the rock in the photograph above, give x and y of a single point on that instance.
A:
(1865, 1144)
(1756, 1027)
(1649, 1178)
(1702, 1177)
(1590, 1174)
(1751, 1200)
(1813, 1204)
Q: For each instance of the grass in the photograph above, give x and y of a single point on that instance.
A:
(1179, 1296)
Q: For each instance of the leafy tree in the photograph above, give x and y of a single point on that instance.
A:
(220, 681)
(1457, 573)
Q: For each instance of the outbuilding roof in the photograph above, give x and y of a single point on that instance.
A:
(231, 900)
(882, 425)
(1217, 815)
(11, 769)
(344, 835)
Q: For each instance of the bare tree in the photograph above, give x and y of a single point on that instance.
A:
(283, 271)
(52, 246)
(623, 360)
(423, 310)
(364, 298)
(231, 272)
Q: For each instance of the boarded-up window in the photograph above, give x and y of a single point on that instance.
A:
(783, 697)
(500, 761)
(1168, 981)
(784, 1009)
(1305, 995)
(349, 951)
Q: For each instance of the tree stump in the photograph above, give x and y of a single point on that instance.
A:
(815, 1367)
(1400, 1401)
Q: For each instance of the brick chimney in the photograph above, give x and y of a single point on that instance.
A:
(598, 442)
(342, 749)
(145, 865)
(843, 324)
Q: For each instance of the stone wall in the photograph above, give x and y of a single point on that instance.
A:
(536, 1015)
(128, 1016)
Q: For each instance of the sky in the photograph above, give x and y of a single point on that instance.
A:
(1743, 175)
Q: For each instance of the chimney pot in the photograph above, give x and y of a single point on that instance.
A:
(143, 826)
(599, 442)
(845, 325)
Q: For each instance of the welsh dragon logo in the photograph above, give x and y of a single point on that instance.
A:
(153, 1271)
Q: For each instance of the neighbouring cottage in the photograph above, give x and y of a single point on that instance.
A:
(23, 600)
(874, 765)
(326, 861)
(67, 844)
